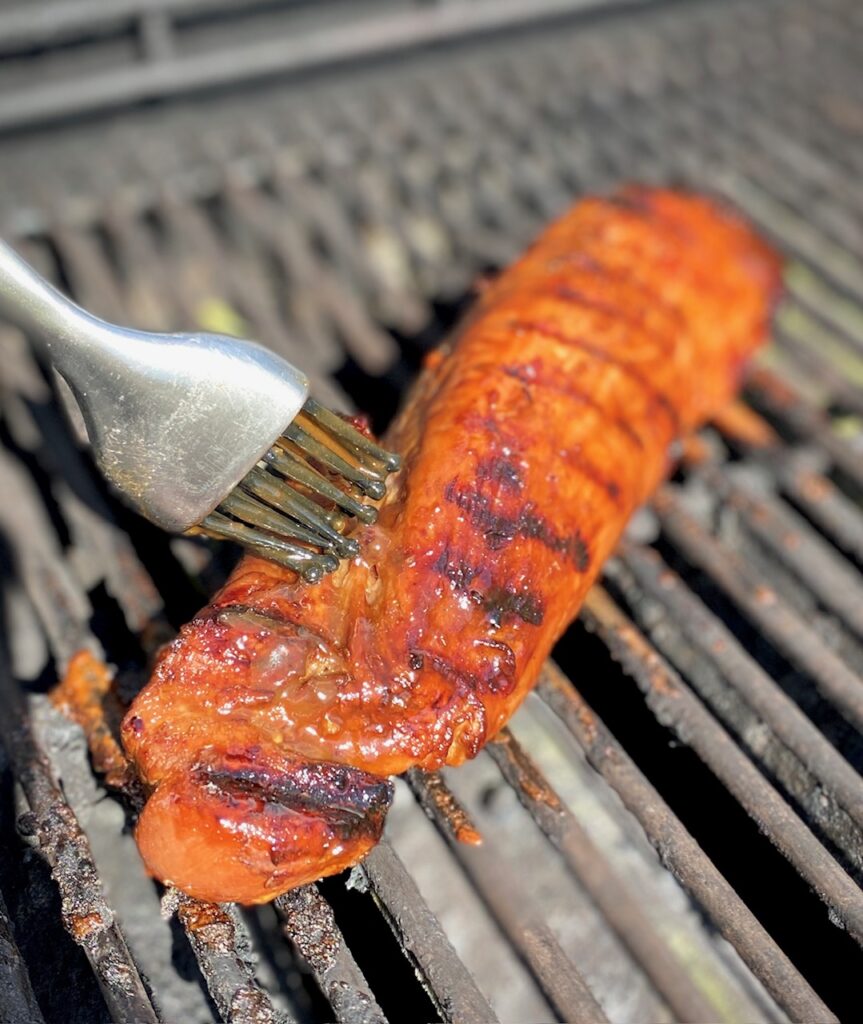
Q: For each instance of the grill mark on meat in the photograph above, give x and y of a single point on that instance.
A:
(617, 314)
(528, 374)
(580, 462)
(626, 275)
(457, 571)
(603, 356)
(500, 601)
(501, 470)
(639, 203)
(499, 529)
(633, 201)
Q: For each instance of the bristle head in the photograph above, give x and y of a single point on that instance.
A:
(348, 548)
(293, 506)
(375, 489)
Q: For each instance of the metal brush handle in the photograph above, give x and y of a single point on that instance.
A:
(175, 420)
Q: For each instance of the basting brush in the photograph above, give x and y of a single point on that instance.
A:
(205, 433)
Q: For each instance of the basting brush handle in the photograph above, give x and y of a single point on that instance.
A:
(175, 421)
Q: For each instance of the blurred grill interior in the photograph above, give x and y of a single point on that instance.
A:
(672, 825)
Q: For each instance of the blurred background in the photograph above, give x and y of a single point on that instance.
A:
(672, 827)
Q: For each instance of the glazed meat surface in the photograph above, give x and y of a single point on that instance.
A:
(272, 723)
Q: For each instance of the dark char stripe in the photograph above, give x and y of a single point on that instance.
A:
(499, 529)
(527, 375)
(655, 396)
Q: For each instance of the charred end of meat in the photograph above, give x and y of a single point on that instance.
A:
(236, 829)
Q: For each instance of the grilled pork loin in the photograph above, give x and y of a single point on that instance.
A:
(272, 723)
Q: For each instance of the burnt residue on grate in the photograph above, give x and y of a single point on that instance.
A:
(673, 829)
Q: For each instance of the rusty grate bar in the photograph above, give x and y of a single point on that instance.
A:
(681, 852)
(559, 979)
(51, 822)
(214, 933)
(531, 938)
(793, 543)
(799, 478)
(441, 806)
(825, 505)
(769, 727)
(308, 922)
(781, 400)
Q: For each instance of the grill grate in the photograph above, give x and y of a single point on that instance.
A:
(354, 213)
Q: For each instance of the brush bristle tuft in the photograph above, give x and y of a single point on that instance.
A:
(294, 504)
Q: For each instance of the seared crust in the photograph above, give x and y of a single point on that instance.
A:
(526, 448)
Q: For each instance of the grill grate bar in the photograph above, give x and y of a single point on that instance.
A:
(826, 311)
(441, 806)
(810, 342)
(788, 630)
(805, 360)
(194, 239)
(500, 890)
(605, 886)
(835, 782)
(796, 475)
(796, 236)
(797, 546)
(273, 228)
(50, 820)
(449, 983)
(676, 707)
(308, 922)
(680, 852)
(535, 943)
(825, 505)
(281, 50)
(217, 938)
(779, 399)
(85, 509)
